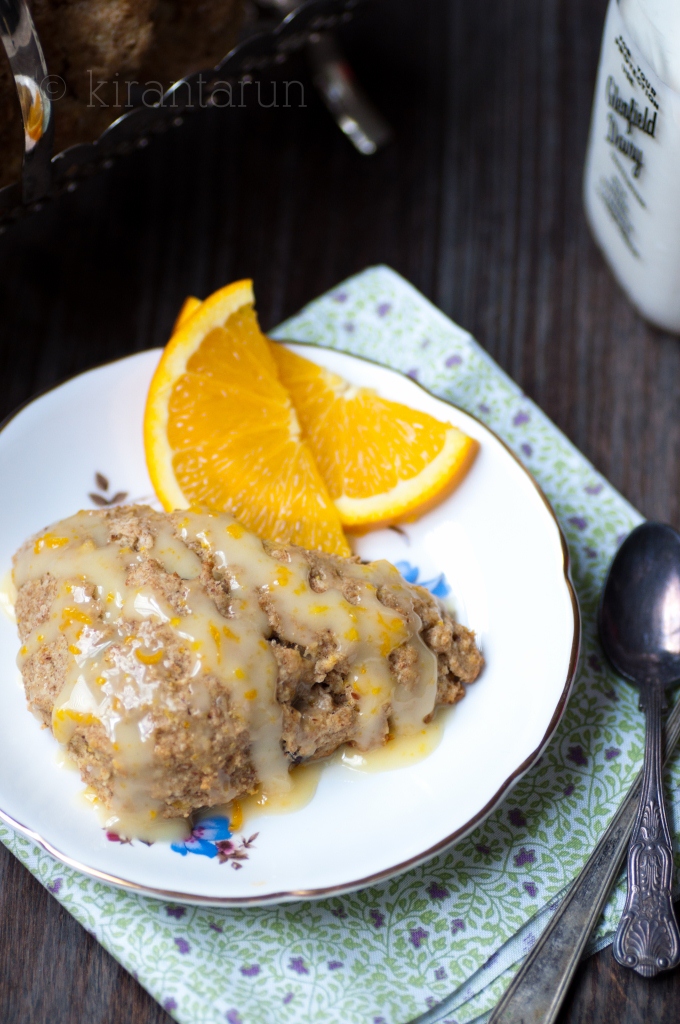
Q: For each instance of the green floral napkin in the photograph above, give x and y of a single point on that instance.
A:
(462, 922)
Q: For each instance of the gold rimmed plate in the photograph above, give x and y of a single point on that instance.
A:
(493, 551)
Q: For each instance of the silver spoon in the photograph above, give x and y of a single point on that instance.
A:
(639, 624)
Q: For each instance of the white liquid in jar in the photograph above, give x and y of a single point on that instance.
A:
(632, 184)
(654, 27)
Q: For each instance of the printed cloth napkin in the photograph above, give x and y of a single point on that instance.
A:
(462, 922)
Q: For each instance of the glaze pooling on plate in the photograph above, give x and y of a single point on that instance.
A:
(502, 553)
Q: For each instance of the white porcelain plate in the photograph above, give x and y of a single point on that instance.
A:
(493, 549)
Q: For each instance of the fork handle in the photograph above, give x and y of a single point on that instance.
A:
(647, 939)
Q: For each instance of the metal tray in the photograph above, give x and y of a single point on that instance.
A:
(45, 175)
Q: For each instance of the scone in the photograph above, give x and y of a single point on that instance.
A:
(184, 662)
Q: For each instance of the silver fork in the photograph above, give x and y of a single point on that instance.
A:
(537, 991)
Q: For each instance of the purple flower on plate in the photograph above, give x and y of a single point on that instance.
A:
(412, 373)
(288, 998)
(203, 837)
(568, 790)
(458, 925)
(377, 918)
(593, 488)
(417, 936)
(183, 946)
(440, 973)
(170, 1005)
(527, 450)
(340, 297)
(454, 360)
(577, 755)
(425, 343)
(334, 964)
(524, 857)
(578, 521)
(483, 407)
(250, 972)
(55, 886)
(338, 912)
(530, 888)
(610, 754)
(437, 892)
(430, 1001)
(517, 817)
(176, 912)
(483, 849)
(384, 308)
(216, 927)
(520, 418)
(297, 964)
(349, 327)
(528, 941)
(233, 1017)
(612, 694)
(492, 959)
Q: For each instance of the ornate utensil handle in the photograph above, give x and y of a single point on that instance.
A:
(538, 989)
(20, 39)
(647, 939)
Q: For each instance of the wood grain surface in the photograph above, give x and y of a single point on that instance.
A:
(477, 201)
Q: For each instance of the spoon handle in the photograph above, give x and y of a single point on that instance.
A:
(647, 939)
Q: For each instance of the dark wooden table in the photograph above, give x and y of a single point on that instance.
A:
(477, 202)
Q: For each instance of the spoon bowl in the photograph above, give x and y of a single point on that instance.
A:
(640, 609)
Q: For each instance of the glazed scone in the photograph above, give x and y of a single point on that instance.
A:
(183, 661)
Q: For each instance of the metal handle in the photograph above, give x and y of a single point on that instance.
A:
(355, 115)
(20, 39)
(647, 939)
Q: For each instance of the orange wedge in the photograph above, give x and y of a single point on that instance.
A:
(383, 463)
(189, 306)
(220, 429)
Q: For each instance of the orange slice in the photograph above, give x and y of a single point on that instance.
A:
(383, 463)
(189, 307)
(220, 429)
